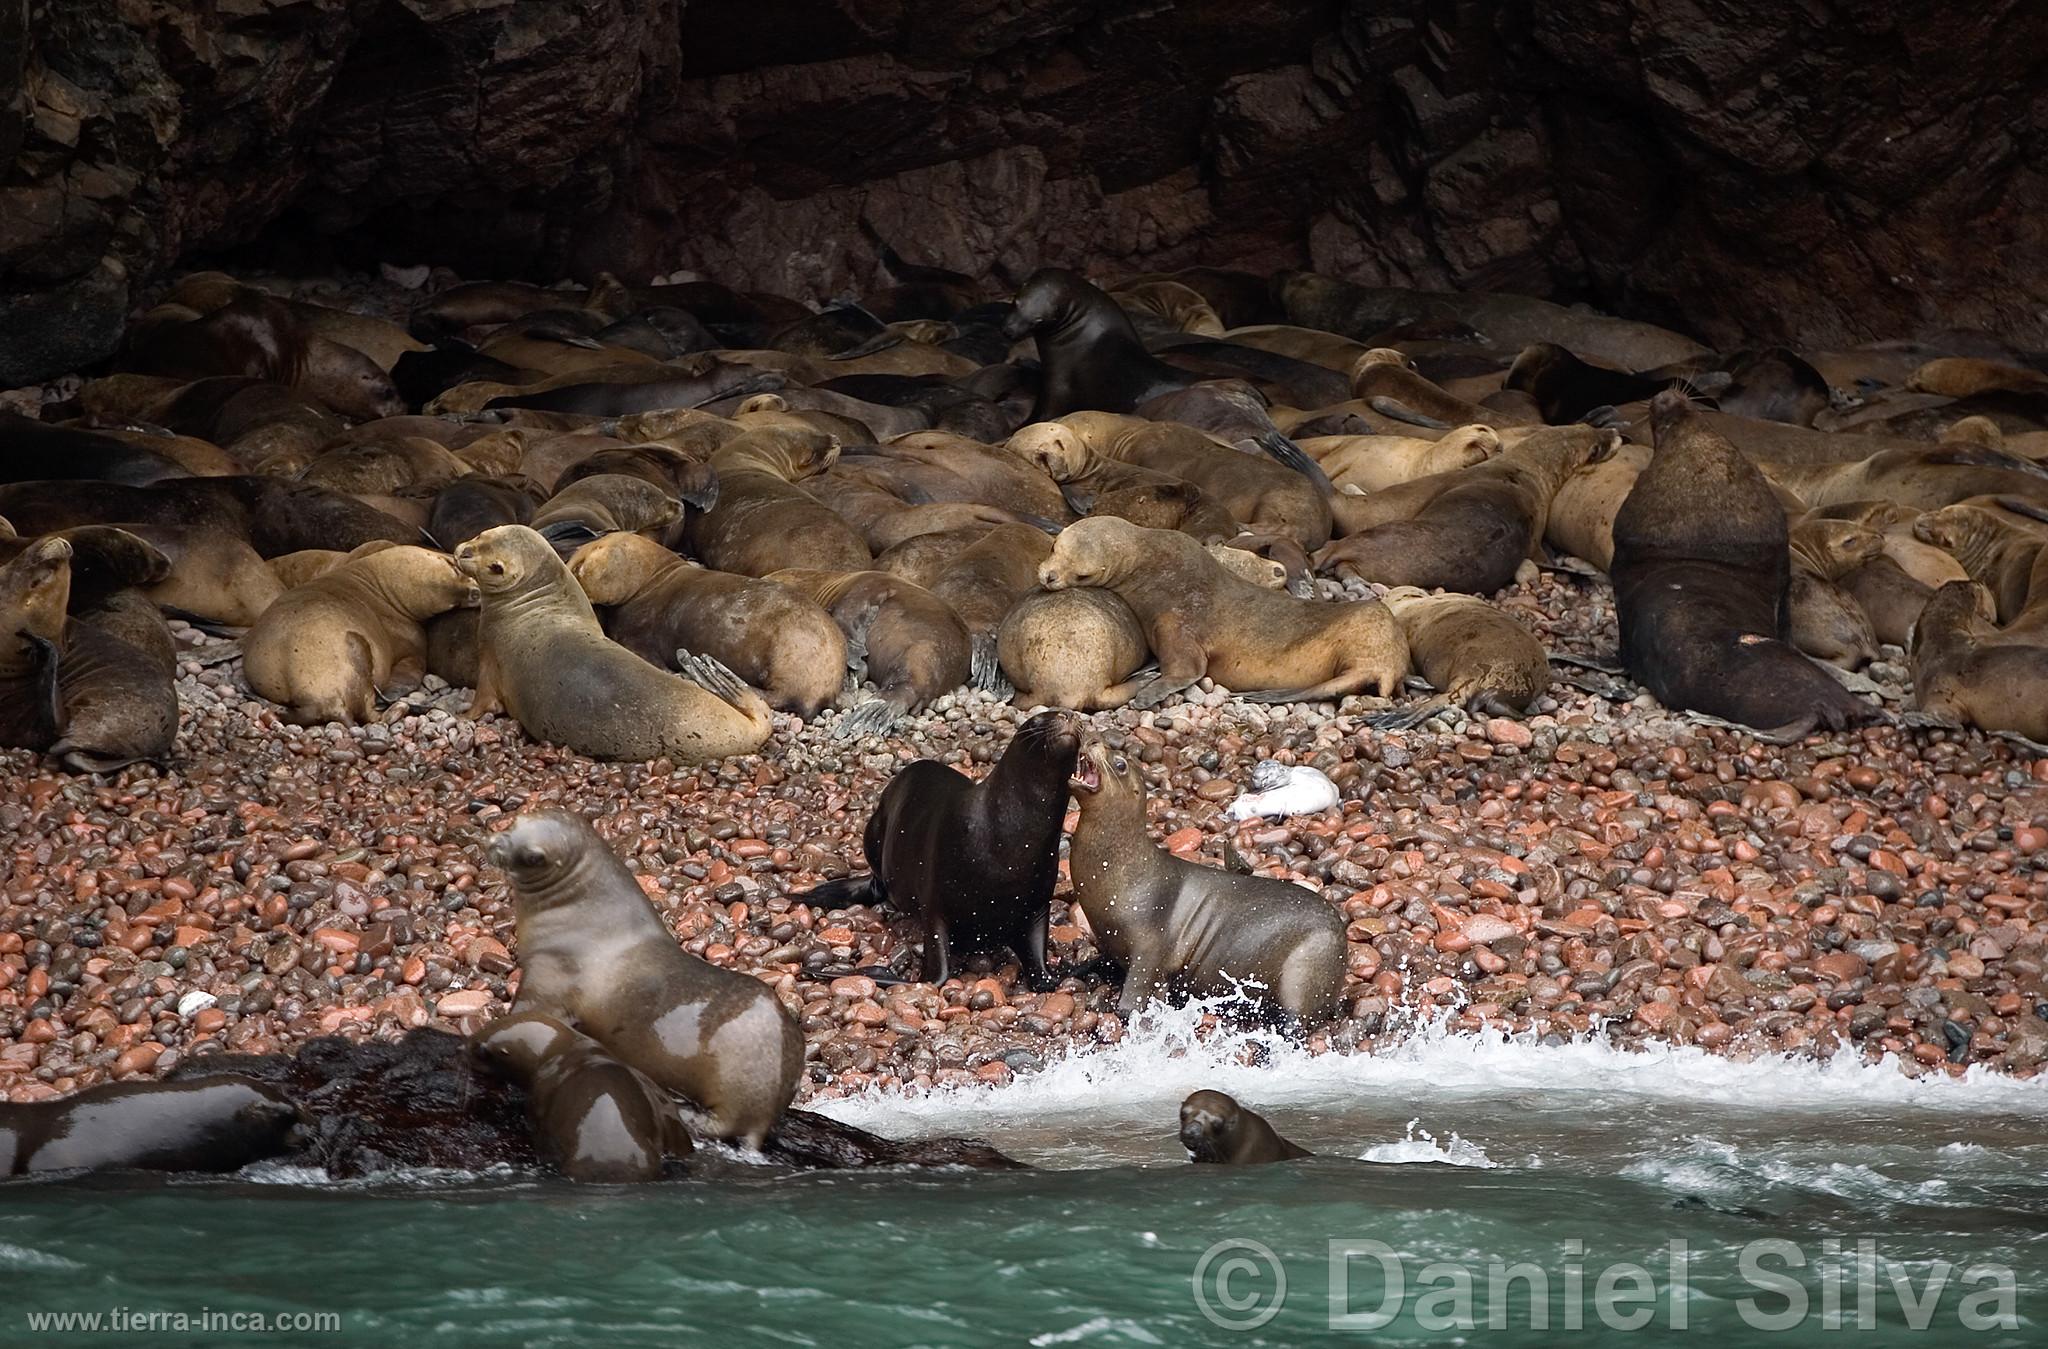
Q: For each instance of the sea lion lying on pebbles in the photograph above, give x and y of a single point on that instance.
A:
(898, 634)
(35, 588)
(1963, 672)
(764, 522)
(598, 1120)
(211, 1124)
(1201, 620)
(322, 651)
(974, 863)
(543, 657)
(1185, 930)
(654, 603)
(1071, 648)
(1215, 1128)
(1476, 656)
(596, 954)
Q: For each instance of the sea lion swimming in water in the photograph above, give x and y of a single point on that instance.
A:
(974, 863)
(597, 954)
(1215, 1128)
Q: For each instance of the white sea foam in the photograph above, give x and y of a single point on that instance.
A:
(24, 1259)
(1420, 1145)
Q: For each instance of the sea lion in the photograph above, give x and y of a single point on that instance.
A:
(1384, 381)
(1092, 356)
(596, 954)
(542, 657)
(35, 589)
(1201, 620)
(974, 863)
(273, 515)
(210, 1124)
(1215, 1128)
(383, 467)
(986, 474)
(1375, 463)
(1997, 555)
(654, 603)
(764, 522)
(117, 683)
(1095, 484)
(1180, 307)
(1183, 929)
(898, 634)
(1566, 388)
(1926, 477)
(982, 583)
(1966, 377)
(599, 1121)
(323, 650)
(1825, 622)
(1963, 672)
(1702, 570)
(1070, 648)
(467, 507)
(675, 472)
(885, 521)
(1237, 415)
(605, 503)
(34, 451)
(1473, 529)
(1473, 653)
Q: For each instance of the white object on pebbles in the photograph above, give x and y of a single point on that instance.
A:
(1280, 790)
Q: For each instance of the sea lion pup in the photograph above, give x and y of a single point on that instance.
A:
(542, 657)
(974, 863)
(117, 676)
(467, 507)
(323, 650)
(1375, 463)
(596, 1119)
(1566, 388)
(606, 503)
(654, 603)
(1092, 356)
(1997, 555)
(1475, 656)
(1963, 672)
(1701, 572)
(1474, 528)
(1263, 497)
(764, 522)
(905, 639)
(1383, 380)
(1095, 484)
(1965, 377)
(1185, 930)
(982, 583)
(1070, 648)
(1200, 619)
(207, 1124)
(597, 955)
(1825, 620)
(1215, 1128)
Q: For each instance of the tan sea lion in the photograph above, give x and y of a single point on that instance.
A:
(1215, 1128)
(764, 522)
(898, 634)
(1185, 930)
(35, 589)
(1202, 620)
(1966, 377)
(382, 467)
(1385, 380)
(605, 503)
(1473, 653)
(598, 1120)
(1926, 477)
(1176, 305)
(596, 954)
(654, 604)
(1375, 463)
(1963, 672)
(1473, 529)
(1303, 344)
(984, 580)
(542, 657)
(1581, 522)
(324, 649)
(1070, 648)
(1996, 554)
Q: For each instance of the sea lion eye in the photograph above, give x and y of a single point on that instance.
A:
(530, 857)
(1117, 765)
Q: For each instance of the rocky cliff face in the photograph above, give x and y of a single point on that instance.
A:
(1823, 171)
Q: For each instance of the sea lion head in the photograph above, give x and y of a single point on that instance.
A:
(1968, 533)
(1465, 446)
(505, 558)
(1979, 431)
(1379, 356)
(34, 590)
(1957, 609)
(539, 849)
(1091, 552)
(1055, 734)
(1057, 450)
(1048, 301)
(763, 402)
(429, 581)
(617, 567)
(515, 1046)
(1834, 547)
(351, 384)
(1669, 411)
(1208, 1125)
(792, 451)
(1098, 769)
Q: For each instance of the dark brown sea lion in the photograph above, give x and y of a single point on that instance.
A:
(467, 507)
(542, 656)
(384, 466)
(209, 1124)
(595, 953)
(1236, 414)
(689, 480)
(1092, 356)
(256, 336)
(898, 634)
(653, 603)
(274, 516)
(1702, 570)
(116, 680)
(1473, 529)
(1383, 380)
(1963, 672)
(764, 521)
(1215, 1128)
(323, 650)
(885, 521)
(32, 451)
(1185, 930)
(1566, 388)
(1201, 619)
(974, 863)
(599, 1121)
(1070, 648)
(711, 379)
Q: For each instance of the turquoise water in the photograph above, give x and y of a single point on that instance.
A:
(1448, 1151)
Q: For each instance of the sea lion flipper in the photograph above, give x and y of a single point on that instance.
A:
(713, 676)
(985, 673)
(1404, 718)
(1401, 412)
(1158, 689)
(871, 718)
(1290, 455)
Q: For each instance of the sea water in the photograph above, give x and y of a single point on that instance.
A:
(1468, 1190)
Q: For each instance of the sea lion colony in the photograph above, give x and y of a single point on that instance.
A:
(659, 524)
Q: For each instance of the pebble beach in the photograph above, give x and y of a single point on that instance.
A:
(1604, 869)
